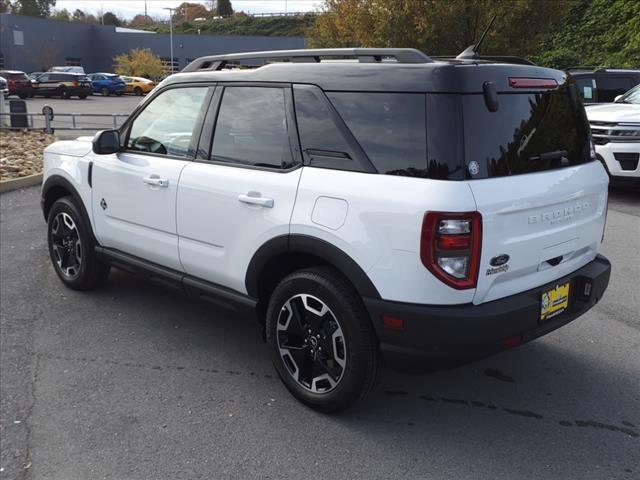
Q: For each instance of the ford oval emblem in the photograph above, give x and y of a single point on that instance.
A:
(499, 260)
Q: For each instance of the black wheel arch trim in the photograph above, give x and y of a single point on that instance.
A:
(59, 181)
(297, 243)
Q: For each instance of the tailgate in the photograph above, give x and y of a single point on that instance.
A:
(548, 223)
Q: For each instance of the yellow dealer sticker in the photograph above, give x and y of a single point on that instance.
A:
(554, 301)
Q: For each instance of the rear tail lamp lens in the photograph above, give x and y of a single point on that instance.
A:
(450, 247)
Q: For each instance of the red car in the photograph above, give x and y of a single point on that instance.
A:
(18, 82)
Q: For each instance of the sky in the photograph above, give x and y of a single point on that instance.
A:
(129, 8)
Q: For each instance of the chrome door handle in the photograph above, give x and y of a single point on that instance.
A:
(156, 181)
(254, 198)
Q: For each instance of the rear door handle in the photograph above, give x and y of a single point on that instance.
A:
(156, 181)
(254, 198)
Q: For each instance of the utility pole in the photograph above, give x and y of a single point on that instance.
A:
(171, 32)
(145, 9)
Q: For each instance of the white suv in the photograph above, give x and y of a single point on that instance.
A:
(389, 208)
(616, 133)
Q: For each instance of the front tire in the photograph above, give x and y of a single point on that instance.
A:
(137, 91)
(104, 91)
(321, 340)
(72, 248)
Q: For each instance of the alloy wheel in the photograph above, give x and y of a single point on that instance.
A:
(66, 245)
(311, 343)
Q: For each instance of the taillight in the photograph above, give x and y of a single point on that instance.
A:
(450, 247)
(525, 82)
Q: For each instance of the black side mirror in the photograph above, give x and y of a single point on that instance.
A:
(106, 142)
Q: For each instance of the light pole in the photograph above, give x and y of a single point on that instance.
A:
(171, 32)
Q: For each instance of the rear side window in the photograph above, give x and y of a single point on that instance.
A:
(390, 127)
(18, 76)
(585, 88)
(251, 128)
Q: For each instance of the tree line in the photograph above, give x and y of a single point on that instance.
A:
(554, 33)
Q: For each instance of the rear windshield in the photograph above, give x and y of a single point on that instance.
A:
(529, 133)
(456, 137)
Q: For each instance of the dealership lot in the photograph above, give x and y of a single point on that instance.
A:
(135, 382)
(94, 104)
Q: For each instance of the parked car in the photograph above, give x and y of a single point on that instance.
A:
(615, 128)
(63, 85)
(18, 83)
(68, 69)
(107, 84)
(302, 193)
(603, 85)
(4, 88)
(138, 85)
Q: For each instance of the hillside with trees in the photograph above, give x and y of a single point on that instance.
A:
(550, 32)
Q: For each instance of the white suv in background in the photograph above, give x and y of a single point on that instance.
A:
(395, 208)
(615, 128)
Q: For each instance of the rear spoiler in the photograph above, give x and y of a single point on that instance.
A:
(491, 58)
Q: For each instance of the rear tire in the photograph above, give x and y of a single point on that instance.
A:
(321, 340)
(63, 93)
(137, 91)
(82, 97)
(22, 96)
(104, 91)
(72, 247)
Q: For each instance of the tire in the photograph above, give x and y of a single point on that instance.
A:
(62, 93)
(104, 91)
(72, 247)
(330, 310)
(82, 97)
(22, 96)
(119, 94)
(137, 91)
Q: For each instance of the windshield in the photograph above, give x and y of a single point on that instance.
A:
(632, 96)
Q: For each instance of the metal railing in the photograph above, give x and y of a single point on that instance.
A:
(69, 121)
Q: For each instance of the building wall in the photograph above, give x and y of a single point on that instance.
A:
(51, 42)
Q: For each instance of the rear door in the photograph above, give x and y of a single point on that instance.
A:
(541, 196)
(134, 191)
(240, 196)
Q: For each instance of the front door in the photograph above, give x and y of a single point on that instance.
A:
(134, 191)
(242, 195)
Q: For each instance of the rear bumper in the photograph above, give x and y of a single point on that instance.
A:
(472, 331)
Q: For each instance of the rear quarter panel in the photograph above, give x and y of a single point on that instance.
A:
(377, 221)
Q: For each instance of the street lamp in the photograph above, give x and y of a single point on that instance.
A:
(171, 32)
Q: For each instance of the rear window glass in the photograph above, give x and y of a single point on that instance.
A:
(390, 127)
(529, 133)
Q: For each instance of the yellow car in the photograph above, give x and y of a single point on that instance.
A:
(138, 85)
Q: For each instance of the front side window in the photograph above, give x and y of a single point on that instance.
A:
(167, 124)
(610, 87)
(390, 127)
(252, 128)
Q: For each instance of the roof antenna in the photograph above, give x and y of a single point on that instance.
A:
(472, 51)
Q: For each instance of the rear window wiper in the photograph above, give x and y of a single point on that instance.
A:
(549, 155)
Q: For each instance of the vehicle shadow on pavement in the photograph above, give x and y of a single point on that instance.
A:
(544, 381)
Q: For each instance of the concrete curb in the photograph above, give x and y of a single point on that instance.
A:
(20, 182)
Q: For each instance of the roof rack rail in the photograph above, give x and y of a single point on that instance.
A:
(363, 55)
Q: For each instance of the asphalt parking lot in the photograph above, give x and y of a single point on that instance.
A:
(135, 382)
